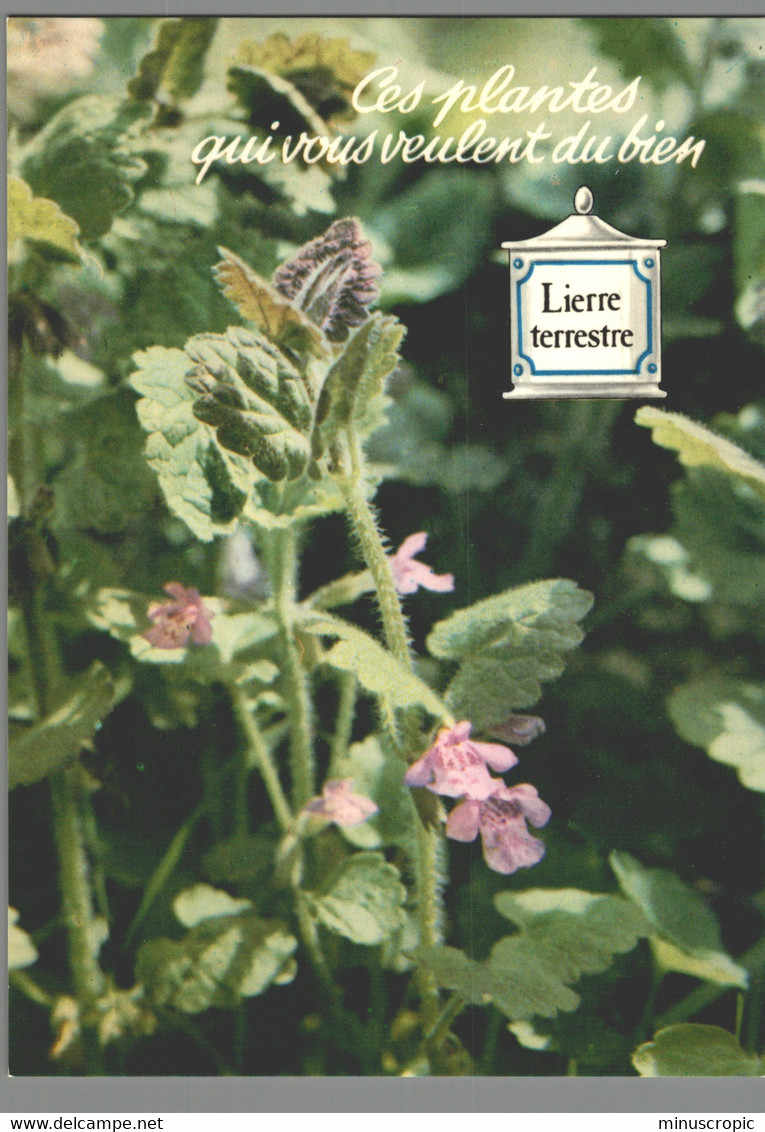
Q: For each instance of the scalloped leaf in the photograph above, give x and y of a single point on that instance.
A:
(379, 775)
(82, 161)
(356, 381)
(686, 935)
(204, 486)
(697, 446)
(373, 666)
(564, 934)
(363, 900)
(259, 302)
(175, 63)
(694, 1050)
(508, 645)
(727, 718)
(224, 958)
(255, 399)
(40, 221)
(57, 740)
(325, 70)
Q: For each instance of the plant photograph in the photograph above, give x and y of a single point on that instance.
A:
(363, 722)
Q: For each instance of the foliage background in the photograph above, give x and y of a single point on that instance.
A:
(508, 493)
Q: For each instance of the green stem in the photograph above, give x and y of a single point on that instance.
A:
(69, 796)
(257, 752)
(346, 707)
(24, 983)
(72, 813)
(294, 680)
(435, 1036)
(164, 870)
(364, 522)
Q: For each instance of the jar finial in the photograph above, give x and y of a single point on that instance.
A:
(583, 201)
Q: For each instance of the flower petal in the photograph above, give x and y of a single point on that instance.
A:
(462, 823)
(420, 773)
(498, 757)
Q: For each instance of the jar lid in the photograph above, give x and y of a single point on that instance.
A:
(581, 230)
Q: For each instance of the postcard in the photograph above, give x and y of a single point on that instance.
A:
(386, 547)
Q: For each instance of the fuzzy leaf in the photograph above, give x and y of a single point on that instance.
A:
(685, 936)
(204, 486)
(376, 670)
(508, 644)
(40, 221)
(727, 718)
(254, 398)
(694, 1050)
(259, 302)
(363, 900)
(326, 71)
(697, 446)
(332, 278)
(81, 161)
(203, 902)
(176, 61)
(223, 959)
(357, 379)
(58, 739)
(564, 934)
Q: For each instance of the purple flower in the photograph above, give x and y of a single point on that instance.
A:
(340, 805)
(333, 279)
(408, 574)
(455, 765)
(501, 820)
(176, 621)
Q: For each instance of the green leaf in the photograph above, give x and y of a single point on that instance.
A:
(508, 644)
(255, 399)
(235, 636)
(650, 48)
(363, 900)
(82, 161)
(203, 902)
(693, 1050)
(40, 221)
(259, 302)
(176, 61)
(373, 666)
(204, 486)
(698, 446)
(686, 935)
(224, 958)
(106, 483)
(21, 951)
(727, 718)
(564, 934)
(356, 381)
(326, 70)
(378, 775)
(58, 739)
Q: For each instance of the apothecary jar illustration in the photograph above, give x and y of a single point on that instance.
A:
(585, 311)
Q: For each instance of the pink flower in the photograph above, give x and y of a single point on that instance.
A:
(176, 621)
(339, 804)
(501, 819)
(408, 574)
(456, 764)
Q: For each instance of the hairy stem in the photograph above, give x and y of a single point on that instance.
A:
(294, 679)
(346, 707)
(364, 522)
(258, 752)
